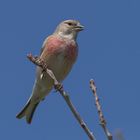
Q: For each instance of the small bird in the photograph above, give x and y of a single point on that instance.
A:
(59, 52)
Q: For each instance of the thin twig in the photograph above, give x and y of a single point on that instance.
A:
(100, 113)
(59, 87)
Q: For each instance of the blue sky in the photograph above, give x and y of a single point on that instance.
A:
(109, 52)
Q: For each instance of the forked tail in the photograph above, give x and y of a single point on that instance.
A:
(28, 111)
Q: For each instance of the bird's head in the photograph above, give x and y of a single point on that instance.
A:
(69, 29)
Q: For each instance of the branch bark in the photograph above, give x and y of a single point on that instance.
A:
(100, 113)
(37, 61)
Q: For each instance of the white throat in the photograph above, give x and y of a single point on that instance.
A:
(71, 36)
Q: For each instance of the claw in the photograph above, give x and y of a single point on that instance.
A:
(58, 87)
(41, 76)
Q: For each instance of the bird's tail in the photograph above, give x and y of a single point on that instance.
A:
(28, 111)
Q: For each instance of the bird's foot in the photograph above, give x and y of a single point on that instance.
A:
(41, 62)
(58, 87)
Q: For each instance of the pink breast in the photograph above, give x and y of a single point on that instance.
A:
(58, 46)
(71, 52)
(54, 45)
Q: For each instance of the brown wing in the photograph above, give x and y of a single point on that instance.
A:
(43, 46)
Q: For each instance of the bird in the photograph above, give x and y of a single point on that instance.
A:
(59, 51)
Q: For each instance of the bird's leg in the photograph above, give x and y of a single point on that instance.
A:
(58, 87)
(42, 74)
(43, 64)
(40, 62)
(44, 69)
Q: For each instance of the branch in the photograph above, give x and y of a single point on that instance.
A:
(39, 62)
(100, 113)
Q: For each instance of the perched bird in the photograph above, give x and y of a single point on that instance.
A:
(59, 51)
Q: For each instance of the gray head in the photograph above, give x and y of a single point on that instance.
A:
(69, 29)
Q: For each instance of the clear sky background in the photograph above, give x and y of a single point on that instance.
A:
(109, 52)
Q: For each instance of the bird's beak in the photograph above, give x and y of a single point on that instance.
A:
(79, 27)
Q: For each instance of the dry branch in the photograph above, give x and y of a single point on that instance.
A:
(37, 61)
(100, 113)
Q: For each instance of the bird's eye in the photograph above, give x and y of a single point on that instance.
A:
(69, 23)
